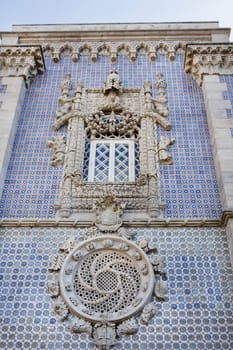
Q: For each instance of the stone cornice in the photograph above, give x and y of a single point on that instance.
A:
(47, 223)
(208, 59)
(21, 61)
(132, 49)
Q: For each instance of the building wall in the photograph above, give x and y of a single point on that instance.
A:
(198, 312)
(188, 187)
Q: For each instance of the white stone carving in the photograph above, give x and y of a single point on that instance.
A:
(113, 49)
(104, 283)
(21, 61)
(207, 59)
(160, 289)
(58, 145)
(113, 112)
(108, 213)
(148, 312)
(164, 156)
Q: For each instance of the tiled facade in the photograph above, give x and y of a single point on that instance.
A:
(190, 234)
(32, 185)
(197, 315)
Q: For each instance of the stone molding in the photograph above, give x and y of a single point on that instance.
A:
(21, 61)
(132, 49)
(208, 59)
(54, 223)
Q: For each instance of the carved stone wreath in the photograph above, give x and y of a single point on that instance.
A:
(100, 284)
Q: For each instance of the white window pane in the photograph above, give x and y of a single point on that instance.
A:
(101, 167)
(121, 166)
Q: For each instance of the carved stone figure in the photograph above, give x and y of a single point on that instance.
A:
(112, 91)
(56, 262)
(53, 287)
(61, 310)
(66, 85)
(156, 107)
(81, 326)
(144, 244)
(104, 335)
(68, 245)
(164, 156)
(58, 145)
(148, 312)
(128, 327)
(160, 289)
(112, 82)
(155, 261)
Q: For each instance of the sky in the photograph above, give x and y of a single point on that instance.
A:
(113, 11)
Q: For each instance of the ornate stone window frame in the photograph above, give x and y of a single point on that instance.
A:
(111, 113)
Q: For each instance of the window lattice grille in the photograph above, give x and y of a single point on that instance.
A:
(111, 161)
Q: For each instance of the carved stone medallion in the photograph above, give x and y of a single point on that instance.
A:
(103, 282)
(111, 279)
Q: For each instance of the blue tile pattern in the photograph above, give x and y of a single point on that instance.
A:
(228, 95)
(198, 314)
(189, 187)
(3, 88)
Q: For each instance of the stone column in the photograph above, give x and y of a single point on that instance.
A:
(17, 66)
(206, 63)
(73, 171)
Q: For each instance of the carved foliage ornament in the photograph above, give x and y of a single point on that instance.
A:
(103, 283)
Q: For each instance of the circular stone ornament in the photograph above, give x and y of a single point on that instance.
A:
(106, 278)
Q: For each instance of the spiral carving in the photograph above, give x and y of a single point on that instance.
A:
(106, 281)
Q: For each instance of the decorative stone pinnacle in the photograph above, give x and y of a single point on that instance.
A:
(208, 59)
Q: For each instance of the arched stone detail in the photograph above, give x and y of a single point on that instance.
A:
(114, 49)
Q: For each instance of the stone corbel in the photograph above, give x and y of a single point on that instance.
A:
(21, 61)
(208, 59)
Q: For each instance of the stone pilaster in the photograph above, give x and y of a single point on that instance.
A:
(205, 63)
(229, 230)
(18, 64)
(12, 101)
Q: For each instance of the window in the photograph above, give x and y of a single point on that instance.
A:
(112, 161)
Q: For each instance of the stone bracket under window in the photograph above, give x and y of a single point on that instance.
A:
(120, 128)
